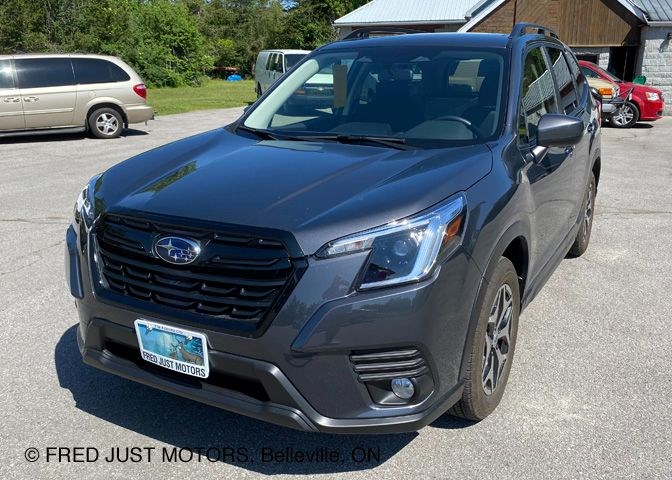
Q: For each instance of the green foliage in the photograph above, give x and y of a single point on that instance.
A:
(170, 42)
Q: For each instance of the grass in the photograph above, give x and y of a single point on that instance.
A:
(211, 94)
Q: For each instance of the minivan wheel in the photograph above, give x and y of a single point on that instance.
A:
(492, 345)
(588, 212)
(105, 123)
(626, 116)
(258, 90)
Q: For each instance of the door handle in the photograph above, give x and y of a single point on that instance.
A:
(12, 99)
(31, 99)
(570, 150)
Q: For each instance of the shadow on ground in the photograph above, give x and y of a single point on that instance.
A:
(185, 423)
(63, 137)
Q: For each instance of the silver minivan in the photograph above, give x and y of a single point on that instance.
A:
(271, 64)
(70, 93)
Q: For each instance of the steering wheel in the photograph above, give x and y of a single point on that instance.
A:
(454, 118)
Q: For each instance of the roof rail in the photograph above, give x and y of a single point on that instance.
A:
(520, 29)
(369, 32)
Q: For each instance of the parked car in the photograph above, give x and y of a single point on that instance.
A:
(610, 99)
(349, 268)
(272, 64)
(70, 93)
(645, 103)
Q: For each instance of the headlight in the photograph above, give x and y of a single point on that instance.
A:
(406, 250)
(652, 96)
(84, 207)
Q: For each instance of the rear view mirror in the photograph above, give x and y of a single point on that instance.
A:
(555, 130)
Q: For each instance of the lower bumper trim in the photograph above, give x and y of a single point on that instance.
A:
(295, 412)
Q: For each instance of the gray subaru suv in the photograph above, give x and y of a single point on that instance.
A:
(353, 259)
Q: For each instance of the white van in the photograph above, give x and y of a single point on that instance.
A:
(271, 64)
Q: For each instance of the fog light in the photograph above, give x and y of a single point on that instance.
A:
(403, 388)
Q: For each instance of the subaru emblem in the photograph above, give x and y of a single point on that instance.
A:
(177, 250)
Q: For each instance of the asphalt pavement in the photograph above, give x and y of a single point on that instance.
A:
(589, 395)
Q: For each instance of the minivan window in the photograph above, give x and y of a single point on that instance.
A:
(429, 97)
(538, 95)
(96, 70)
(563, 78)
(44, 72)
(292, 59)
(271, 61)
(6, 74)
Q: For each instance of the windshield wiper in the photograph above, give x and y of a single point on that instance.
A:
(263, 134)
(390, 142)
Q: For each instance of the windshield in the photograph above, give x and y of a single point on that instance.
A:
(426, 96)
(292, 59)
(609, 75)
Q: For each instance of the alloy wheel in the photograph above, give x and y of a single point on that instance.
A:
(624, 116)
(497, 339)
(107, 124)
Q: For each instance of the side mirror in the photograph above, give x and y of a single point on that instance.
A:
(596, 95)
(555, 130)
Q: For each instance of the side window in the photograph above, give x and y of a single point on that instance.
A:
(579, 78)
(6, 75)
(280, 63)
(564, 80)
(271, 61)
(537, 97)
(44, 72)
(96, 70)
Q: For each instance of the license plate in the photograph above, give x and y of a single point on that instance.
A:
(173, 348)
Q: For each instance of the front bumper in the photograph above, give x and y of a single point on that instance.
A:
(299, 372)
(611, 106)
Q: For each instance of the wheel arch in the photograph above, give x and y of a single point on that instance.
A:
(514, 245)
(106, 104)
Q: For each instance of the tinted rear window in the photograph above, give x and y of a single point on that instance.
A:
(44, 72)
(96, 70)
(6, 74)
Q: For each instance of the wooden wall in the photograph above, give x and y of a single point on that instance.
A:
(580, 23)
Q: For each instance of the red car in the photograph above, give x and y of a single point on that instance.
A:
(646, 103)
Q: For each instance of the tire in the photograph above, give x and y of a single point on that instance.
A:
(258, 90)
(105, 123)
(588, 208)
(483, 391)
(626, 117)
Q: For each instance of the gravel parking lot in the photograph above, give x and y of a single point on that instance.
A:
(588, 397)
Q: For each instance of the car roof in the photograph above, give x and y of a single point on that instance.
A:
(282, 50)
(483, 40)
(58, 55)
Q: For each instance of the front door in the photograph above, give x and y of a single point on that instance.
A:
(550, 174)
(11, 108)
(48, 91)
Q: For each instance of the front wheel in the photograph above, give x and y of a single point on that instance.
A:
(626, 116)
(105, 123)
(492, 345)
(588, 209)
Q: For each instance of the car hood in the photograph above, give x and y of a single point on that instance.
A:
(639, 88)
(318, 191)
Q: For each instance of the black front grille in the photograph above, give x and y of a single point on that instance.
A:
(375, 366)
(237, 277)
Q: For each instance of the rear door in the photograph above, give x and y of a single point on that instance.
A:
(48, 91)
(11, 108)
(574, 101)
(551, 176)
